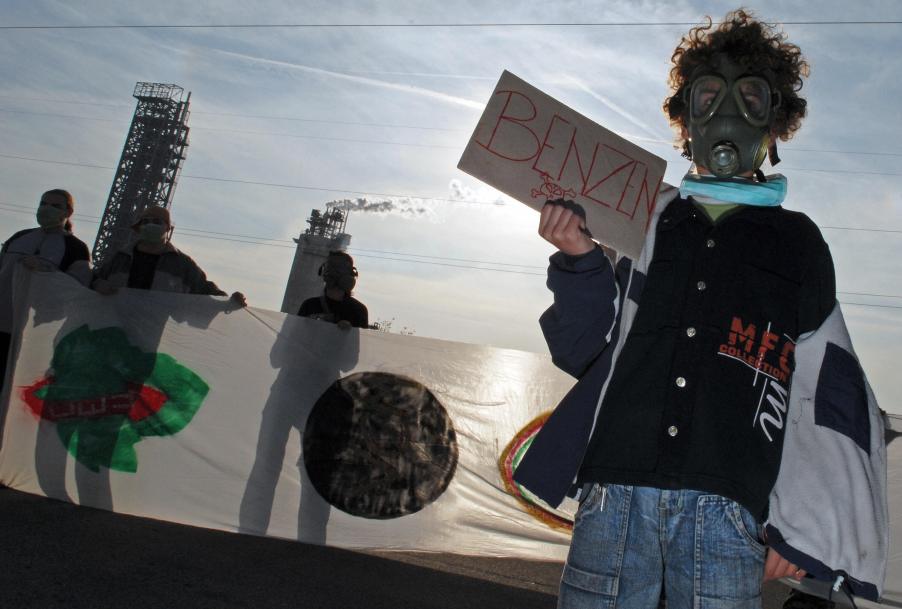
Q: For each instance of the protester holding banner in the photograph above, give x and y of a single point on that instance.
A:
(50, 246)
(335, 304)
(153, 263)
(673, 438)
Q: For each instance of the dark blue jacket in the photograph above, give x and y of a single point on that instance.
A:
(581, 331)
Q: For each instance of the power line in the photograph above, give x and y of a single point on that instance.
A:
(344, 191)
(335, 190)
(869, 230)
(380, 125)
(69, 163)
(846, 171)
(271, 184)
(869, 294)
(460, 266)
(498, 24)
(254, 240)
(84, 118)
(233, 114)
(65, 101)
(862, 152)
(379, 194)
(862, 304)
(477, 268)
(409, 260)
(251, 132)
(364, 124)
(258, 240)
(528, 266)
(362, 192)
(327, 138)
(331, 122)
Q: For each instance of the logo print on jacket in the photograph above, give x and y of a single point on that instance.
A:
(770, 355)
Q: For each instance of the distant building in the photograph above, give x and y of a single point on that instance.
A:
(325, 234)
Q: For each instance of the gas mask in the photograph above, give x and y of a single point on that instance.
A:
(339, 272)
(730, 118)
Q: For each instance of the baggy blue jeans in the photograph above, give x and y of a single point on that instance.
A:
(629, 541)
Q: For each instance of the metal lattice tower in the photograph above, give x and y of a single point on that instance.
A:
(150, 164)
(328, 225)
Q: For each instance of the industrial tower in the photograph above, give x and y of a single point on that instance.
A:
(150, 164)
(325, 234)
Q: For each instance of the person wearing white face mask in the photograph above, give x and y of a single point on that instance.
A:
(51, 246)
(153, 263)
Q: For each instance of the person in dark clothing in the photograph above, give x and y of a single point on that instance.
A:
(684, 367)
(335, 304)
(153, 263)
(50, 246)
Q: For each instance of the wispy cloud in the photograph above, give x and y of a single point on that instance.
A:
(426, 75)
(362, 80)
(461, 192)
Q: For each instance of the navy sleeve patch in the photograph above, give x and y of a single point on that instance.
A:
(841, 401)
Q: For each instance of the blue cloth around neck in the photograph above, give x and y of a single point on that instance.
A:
(736, 190)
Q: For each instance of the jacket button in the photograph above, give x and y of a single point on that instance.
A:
(680, 382)
(702, 286)
(672, 431)
(690, 331)
(710, 243)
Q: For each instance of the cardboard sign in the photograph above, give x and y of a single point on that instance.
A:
(534, 148)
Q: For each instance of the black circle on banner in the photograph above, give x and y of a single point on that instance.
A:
(379, 445)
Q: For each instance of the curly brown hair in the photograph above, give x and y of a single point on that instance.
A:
(752, 44)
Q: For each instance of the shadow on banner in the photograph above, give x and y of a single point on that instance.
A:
(310, 355)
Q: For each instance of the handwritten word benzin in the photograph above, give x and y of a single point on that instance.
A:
(605, 175)
(534, 148)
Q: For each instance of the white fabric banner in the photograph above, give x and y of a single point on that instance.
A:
(188, 409)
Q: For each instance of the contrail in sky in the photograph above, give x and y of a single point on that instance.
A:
(615, 108)
(410, 89)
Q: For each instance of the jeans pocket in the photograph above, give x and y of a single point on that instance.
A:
(747, 526)
(583, 590)
(729, 563)
(590, 582)
(591, 501)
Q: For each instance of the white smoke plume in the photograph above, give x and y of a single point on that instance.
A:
(407, 207)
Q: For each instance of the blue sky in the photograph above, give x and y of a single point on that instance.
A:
(341, 112)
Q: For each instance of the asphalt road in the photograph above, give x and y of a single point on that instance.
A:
(56, 555)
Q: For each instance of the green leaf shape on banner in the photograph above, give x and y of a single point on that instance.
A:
(90, 363)
(108, 442)
(94, 363)
(185, 391)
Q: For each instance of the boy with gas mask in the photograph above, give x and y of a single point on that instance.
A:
(673, 437)
(153, 263)
(335, 304)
